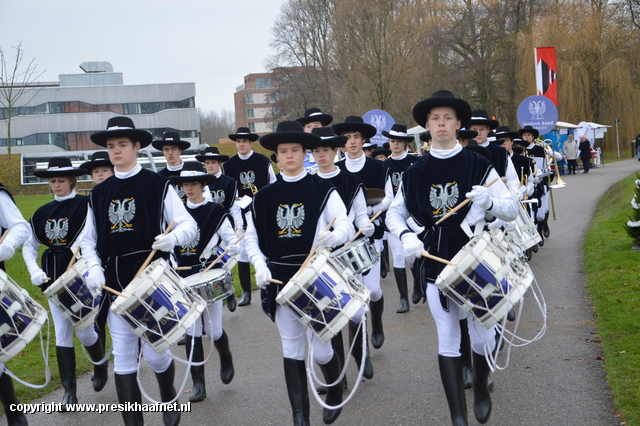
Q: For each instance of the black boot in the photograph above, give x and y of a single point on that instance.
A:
(418, 291)
(167, 393)
(451, 376)
(295, 376)
(331, 372)
(481, 394)
(8, 397)
(384, 260)
(100, 372)
(338, 348)
(244, 274)
(377, 333)
(465, 352)
(401, 281)
(128, 391)
(226, 360)
(231, 302)
(545, 227)
(67, 369)
(355, 334)
(199, 391)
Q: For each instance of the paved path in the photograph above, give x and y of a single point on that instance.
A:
(558, 380)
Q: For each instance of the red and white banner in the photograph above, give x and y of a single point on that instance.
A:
(546, 77)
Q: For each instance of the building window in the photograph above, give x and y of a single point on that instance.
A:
(252, 127)
(263, 83)
(249, 98)
(250, 113)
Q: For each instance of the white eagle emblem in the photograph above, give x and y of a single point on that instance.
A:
(443, 199)
(121, 213)
(180, 192)
(396, 179)
(290, 220)
(192, 248)
(247, 178)
(379, 122)
(218, 196)
(56, 230)
(537, 109)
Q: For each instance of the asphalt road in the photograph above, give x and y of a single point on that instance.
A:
(558, 380)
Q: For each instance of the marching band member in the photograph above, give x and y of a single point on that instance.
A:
(99, 167)
(287, 219)
(58, 225)
(397, 163)
(172, 147)
(373, 174)
(252, 171)
(351, 191)
(431, 187)
(10, 220)
(214, 226)
(125, 220)
(224, 191)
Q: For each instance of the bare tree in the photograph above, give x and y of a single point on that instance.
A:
(17, 79)
(215, 125)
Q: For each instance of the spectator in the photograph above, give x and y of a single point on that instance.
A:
(571, 154)
(585, 153)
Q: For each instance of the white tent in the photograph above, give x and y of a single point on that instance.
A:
(591, 130)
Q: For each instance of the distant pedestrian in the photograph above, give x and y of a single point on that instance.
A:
(585, 153)
(571, 154)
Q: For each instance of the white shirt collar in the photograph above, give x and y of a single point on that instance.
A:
(175, 168)
(401, 156)
(329, 175)
(125, 175)
(244, 157)
(294, 178)
(446, 153)
(66, 197)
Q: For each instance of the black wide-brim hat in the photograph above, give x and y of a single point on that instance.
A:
(211, 153)
(441, 98)
(520, 142)
(505, 132)
(473, 146)
(328, 138)
(425, 136)
(529, 129)
(467, 134)
(192, 172)
(379, 151)
(314, 114)
(98, 159)
(170, 139)
(398, 131)
(59, 167)
(243, 133)
(289, 132)
(354, 123)
(480, 116)
(118, 127)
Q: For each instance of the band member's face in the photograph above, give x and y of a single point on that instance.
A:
(527, 137)
(172, 154)
(443, 124)
(193, 191)
(507, 144)
(212, 166)
(60, 186)
(324, 156)
(100, 174)
(244, 145)
(123, 153)
(291, 158)
(353, 147)
(381, 157)
(310, 126)
(397, 146)
(483, 132)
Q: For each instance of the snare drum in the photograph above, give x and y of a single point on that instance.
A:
(359, 256)
(213, 285)
(71, 294)
(21, 318)
(525, 235)
(158, 306)
(324, 296)
(486, 278)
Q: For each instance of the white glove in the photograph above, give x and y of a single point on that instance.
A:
(496, 224)
(327, 239)
(6, 252)
(39, 278)
(368, 229)
(480, 196)
(510, 226)
(239, 231)
(233, 249)
(370, 211)
(412, 247)
(262, 275)
(95, 278)
(164, 242)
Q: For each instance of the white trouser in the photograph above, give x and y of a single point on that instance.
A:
(294, 337)
(64, 330)
(448, 327)
(395, 245)
(125, 349)
(544, 206)
(212, 317)
(372, 279)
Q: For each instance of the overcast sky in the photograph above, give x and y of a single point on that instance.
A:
(212, 43)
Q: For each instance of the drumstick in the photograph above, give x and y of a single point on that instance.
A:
(313, 250)
(116, 292)
(73, 259)
(271, 280)
(153, 252)
(375, 216)
(439, 259)
(462, 204)
(4, 235)
(221, 255)
(182, 268)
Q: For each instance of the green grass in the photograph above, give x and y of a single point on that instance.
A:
(613, 282)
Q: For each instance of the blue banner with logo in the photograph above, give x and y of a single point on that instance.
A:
(381, 120)
(538, 112)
